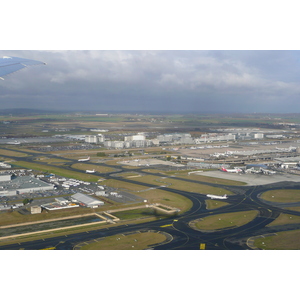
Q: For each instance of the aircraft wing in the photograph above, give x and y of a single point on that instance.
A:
(10, 64)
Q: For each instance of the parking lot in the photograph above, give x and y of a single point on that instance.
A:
(44, 197)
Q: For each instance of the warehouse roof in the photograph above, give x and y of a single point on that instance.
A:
(87, 200)
(24, 182)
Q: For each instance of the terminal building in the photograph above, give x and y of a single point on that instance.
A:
(288, 162)
(5, 177)
(95, 139)
(215, 137)
(176, 138)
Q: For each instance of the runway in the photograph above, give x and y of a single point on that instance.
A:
(183, 236)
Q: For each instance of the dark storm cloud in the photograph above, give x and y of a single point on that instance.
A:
(174, 81)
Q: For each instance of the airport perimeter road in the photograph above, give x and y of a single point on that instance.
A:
(183, 236)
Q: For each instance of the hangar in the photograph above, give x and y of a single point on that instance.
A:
(86, 200)
(5, 177)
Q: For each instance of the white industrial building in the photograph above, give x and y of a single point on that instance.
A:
(114, 144)
(86, 200)
(215, 137)
(94, 139)
(258, 135)
(138, 137)
(5, 177)
(22, 185)
(60, 203)
(275, 136)
(165, 138)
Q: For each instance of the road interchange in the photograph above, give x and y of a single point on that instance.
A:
(184, 237)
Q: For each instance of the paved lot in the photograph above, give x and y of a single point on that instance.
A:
(253, 179)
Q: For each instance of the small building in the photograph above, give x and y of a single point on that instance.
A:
(35, 209)
(62, 200)
(57, 206)
(86, 200)
(101, 193)
(5, 207)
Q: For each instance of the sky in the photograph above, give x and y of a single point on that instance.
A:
(159, 56)
(175, 81)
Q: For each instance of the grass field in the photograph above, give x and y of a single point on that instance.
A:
(213, 204)
(51, 160)
(138, 241)
(155, 180)
(155, 171)
(222, 221)
(97, 168)
(195, 187)
(286, 240)
(167, 198)
(153, 195)
(182, 185)
(129, 175)
(10, 218)
(130, 187)
(63, 231)
(77, 154)
(58, 171)
(12, 153)
(285, 219)
(30, 151)
(138, 213)
(292, 208)
(282, 196)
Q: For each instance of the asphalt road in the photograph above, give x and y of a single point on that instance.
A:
(183, 236)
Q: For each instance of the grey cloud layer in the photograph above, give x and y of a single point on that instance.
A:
(175, 81)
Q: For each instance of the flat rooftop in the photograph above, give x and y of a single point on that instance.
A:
(87, 200)
(23, 182)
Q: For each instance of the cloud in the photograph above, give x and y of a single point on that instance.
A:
(156, 80)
